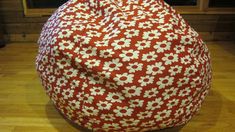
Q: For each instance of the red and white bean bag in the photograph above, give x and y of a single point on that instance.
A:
(123, 65)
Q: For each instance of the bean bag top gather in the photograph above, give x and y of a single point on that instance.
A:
(123, 65)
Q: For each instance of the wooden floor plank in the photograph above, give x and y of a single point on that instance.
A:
(24, 106)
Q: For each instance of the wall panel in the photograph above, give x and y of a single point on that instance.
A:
(17, 27)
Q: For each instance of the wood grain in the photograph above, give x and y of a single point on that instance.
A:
(24, 106)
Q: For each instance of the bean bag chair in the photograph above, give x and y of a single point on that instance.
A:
(123, 65)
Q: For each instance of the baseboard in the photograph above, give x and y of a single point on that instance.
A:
(2, 44)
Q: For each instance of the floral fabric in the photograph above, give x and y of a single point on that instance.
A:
(123, 65)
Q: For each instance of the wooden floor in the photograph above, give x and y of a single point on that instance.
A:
(24, 107)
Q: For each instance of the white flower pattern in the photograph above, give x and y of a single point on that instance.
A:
(123, 68)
